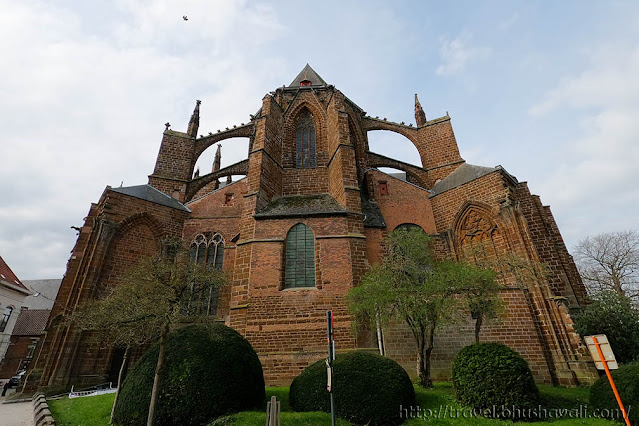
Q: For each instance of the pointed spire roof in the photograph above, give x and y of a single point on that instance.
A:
(420, 115)
(217, 162)
(194, 122)
(308, 74)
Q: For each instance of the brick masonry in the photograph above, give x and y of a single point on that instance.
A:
(287, 326)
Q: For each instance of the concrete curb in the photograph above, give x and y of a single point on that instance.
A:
(41, 413)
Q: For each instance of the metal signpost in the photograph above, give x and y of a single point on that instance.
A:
(601, 353)
(329, 362)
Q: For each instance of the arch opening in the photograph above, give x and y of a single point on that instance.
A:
(233, 151)
(394, 145)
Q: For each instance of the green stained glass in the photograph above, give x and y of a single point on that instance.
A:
(300, 257)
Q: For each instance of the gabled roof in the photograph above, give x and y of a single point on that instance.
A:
(462, 174)
(309, 74)
(148, 193)
(7, 277)
(31, 322)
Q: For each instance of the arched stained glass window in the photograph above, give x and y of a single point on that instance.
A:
(210, 251)
(305, 134)
(198, 249)
(216, 251)
(300, 257)
(408, 226)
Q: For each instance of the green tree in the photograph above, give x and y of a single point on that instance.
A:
(612, 314)
(494, 269)
(411, 286)
(483, 298)
(156, 296)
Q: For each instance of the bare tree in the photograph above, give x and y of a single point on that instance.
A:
(155, 297)
(610, 262)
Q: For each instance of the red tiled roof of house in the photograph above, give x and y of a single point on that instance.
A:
(7, 275)
(31, 322)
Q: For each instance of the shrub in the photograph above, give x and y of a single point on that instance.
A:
(368, 389)
(492, 374)
(626, 380)
(612, 314)
(210, 370)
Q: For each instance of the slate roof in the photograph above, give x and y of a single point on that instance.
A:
(43, 292)
(309, 74)
(463, 174)
(8, 277)
(302, 205)
(373, 217)
(31, 322)
(148, 193)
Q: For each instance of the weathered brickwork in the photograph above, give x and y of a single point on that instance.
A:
(349, 207)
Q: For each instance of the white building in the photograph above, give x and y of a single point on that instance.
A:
(12, 295)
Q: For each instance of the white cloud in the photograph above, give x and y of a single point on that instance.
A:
(507, 23)
(610, 82)
(597, 180)
(458, 53)
(82, 109)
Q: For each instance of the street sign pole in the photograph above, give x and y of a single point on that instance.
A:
(612, 383)
(329, 362)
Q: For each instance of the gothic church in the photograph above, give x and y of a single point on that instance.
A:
(303, 226)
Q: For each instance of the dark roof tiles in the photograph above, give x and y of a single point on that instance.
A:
(148, 193)
(309, 74)
(302, 205)
(31, 322)
(463, 174)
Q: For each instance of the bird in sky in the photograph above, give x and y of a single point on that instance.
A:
(186, 18)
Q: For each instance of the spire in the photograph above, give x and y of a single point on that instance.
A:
(420, 116)
(194, 122)
(218, 159)
(309, 77)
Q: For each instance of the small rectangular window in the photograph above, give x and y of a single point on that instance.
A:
(383, 188)
(228, 199)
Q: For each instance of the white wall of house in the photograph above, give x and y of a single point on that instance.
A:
(10, 296)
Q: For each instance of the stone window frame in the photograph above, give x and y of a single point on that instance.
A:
(299, 258)
(305, 141)
(209, 250)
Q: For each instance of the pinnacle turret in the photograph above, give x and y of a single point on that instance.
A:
(194, 122)
(420, 115)
(218, 159)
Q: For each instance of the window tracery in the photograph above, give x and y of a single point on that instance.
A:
(305, 141)
(207, 249)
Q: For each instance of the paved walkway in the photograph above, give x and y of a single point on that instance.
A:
(16, 414)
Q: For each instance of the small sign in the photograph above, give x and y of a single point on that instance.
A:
(609, 356)
(329, 375)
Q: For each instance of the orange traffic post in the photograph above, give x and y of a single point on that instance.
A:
(612, 383)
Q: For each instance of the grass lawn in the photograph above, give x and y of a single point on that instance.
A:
(443, 395)
(95, 411)
(87, 411)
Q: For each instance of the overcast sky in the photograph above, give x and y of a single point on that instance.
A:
(547, 89)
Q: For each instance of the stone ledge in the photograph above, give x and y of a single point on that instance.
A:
(41, 413)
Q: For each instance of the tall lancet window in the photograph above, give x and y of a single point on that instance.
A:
(306, 140)
(300, 257)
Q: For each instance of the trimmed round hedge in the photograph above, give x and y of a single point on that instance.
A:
(209, 370)
(492, 374)
(626, 380)
(368, 388)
